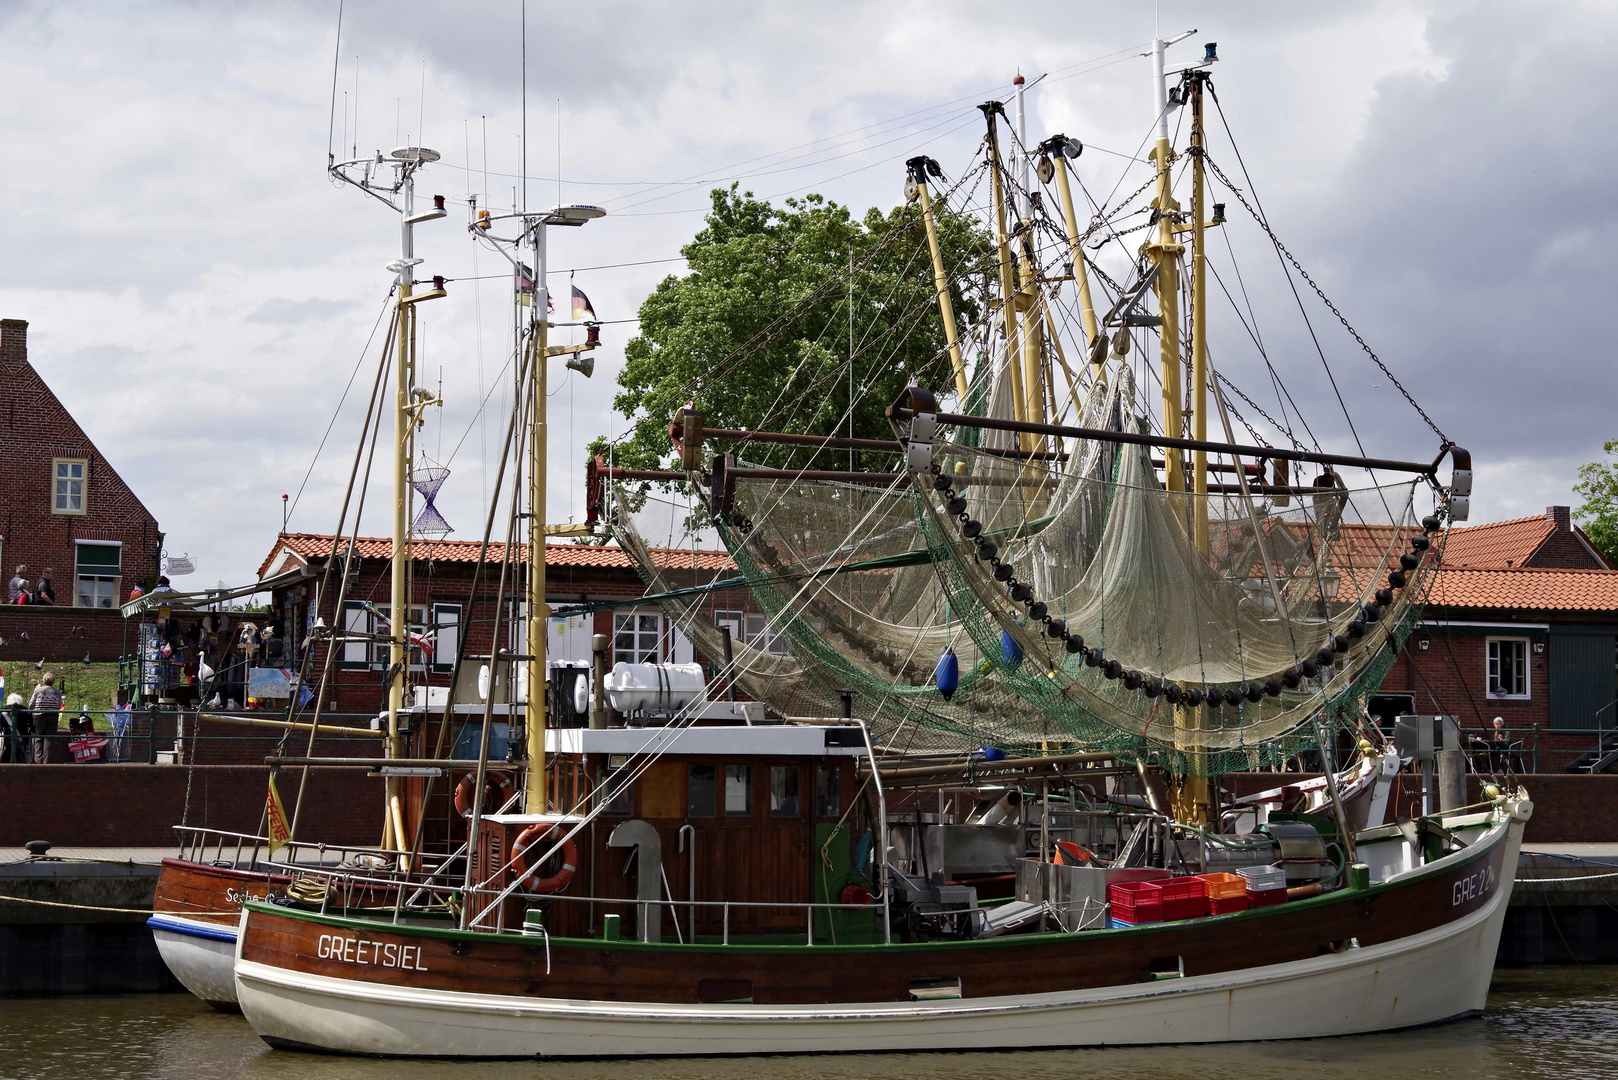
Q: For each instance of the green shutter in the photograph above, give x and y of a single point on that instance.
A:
(1582, 683)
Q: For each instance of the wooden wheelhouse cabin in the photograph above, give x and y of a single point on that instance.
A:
(714, 823)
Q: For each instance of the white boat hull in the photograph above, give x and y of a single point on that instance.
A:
(1436, 975)
(200, 954)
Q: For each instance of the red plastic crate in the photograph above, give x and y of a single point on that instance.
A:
(1181, 888)
(1136, 901)
(1266, 898)
(1223, 886)
(1189, 907)
(1224, 905)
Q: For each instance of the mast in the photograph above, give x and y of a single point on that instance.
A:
(398, 592)
(1165, 254)
(1033, 379)
(1059, 148)
(535, 798)
(1199, 318)
(1008, 299)
(399, 193)
(535, 794)
(919, 168)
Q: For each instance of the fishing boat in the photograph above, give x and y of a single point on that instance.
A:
(1004, 677)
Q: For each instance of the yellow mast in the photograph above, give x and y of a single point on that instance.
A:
(1008, 297)
(1055, 147)
(1199, 320)
(946, 307)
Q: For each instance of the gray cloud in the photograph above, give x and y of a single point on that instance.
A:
(284, 312)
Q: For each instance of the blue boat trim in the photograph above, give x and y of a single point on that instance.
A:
(190, 929)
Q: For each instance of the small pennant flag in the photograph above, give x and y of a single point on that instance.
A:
(276, 816)
(581, 306)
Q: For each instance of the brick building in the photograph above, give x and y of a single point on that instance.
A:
(1521, 623)
(64, 507)
(444, 605)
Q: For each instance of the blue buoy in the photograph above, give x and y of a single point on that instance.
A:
(993, 753)
(1010, 651)
(948, 675)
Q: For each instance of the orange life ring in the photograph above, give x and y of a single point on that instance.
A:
(496, 790)
(526, 840)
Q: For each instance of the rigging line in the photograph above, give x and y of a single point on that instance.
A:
(1282, 395)
(1275, 379)
(1124, 54)
(1282, 249)
(338, 410)
(1298, 299)
(824, 180)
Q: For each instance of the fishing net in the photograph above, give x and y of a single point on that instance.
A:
(835, 587)
(1231, 591)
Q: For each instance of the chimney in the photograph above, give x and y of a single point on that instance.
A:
(1559, 517)
(13, 342)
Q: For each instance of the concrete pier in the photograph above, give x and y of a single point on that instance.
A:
(56, 939)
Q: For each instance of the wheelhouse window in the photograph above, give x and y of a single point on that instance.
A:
(738, 791)
(700, 793)
(1508, 668)
(636, 637)
(827, 803)
(785, 795)
(98, 571)
(67, 485)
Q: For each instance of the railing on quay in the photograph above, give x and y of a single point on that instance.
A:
(125, 745)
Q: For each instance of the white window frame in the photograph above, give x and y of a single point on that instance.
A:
(751, 628)
(643, 635)
(115, 580)
(1492, 659)
(61, 500)
(446, 636)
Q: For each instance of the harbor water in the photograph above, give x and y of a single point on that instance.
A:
(1541, 1022)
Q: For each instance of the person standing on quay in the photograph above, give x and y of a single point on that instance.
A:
(46, 705)
(17, 585)
(45, 589)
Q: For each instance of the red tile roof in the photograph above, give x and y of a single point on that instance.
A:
(316, 545)
(1525, 588)
(1497, 545)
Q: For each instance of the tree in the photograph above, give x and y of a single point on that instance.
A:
(1598, 513)
(760, 324)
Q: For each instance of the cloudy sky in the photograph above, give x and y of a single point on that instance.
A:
(200, 295)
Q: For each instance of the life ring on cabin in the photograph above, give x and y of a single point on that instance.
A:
(525, 842)
(496, 790)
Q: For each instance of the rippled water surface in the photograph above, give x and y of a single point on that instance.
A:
(1546, 1022)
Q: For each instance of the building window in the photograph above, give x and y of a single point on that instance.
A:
(635, 638)
(67, 487)
(98, 569)
(752, 629)
(1508, 668)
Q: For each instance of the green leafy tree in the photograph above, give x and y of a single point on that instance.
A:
(760, 323)
(1598, 513)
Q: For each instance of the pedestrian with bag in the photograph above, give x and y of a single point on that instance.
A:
(46, 705)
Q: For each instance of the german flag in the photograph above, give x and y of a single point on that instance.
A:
(581, 306)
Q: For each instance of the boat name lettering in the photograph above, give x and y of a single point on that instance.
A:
(1478, 883)
(371, 953)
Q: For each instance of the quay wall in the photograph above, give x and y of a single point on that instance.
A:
(138, 805)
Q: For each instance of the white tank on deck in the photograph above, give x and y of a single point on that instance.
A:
(633, 688)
